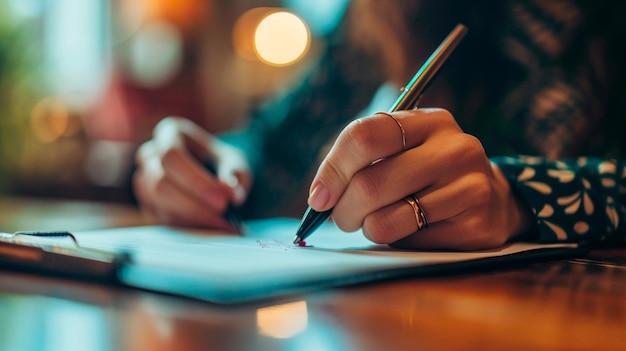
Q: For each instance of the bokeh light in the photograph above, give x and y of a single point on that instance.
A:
(244, 30)
(156, 54)
(49, 119)
(282, 321)
(281, 38)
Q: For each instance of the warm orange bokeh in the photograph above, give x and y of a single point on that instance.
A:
(186, 15)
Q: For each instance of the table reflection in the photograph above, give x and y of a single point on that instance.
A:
(562, 304)
(282, 321)
(43, 323)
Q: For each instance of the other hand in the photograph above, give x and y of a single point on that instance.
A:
(172, 184)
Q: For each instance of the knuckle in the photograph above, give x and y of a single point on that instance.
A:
(366, 186)
(461, 143)
(361, 133)
(472, 146)
(464, 148)
(144, 152)
(144, 149)
(345, 225)
(170, 157)
(445, 115)
(164, 125)
(446, 118)
(170, 122)
(376, 228)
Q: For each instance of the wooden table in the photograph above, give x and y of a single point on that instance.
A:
(572, 304)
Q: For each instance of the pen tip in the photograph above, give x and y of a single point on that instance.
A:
(297, 239)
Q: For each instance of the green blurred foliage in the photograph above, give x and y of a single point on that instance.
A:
(20, 82)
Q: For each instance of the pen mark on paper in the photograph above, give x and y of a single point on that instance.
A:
(276, 244)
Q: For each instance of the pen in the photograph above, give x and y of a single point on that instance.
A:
(408, 99)
(231, 214)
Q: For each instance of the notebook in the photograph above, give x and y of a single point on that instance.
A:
(262, 263)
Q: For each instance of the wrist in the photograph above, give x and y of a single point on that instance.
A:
(518, 216)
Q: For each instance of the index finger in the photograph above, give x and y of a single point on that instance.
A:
(182, 147)
(367, 140)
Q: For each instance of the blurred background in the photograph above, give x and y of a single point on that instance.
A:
(83, 82)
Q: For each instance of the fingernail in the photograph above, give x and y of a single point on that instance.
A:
(319, 196)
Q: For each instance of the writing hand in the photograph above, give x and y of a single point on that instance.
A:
(366, 175)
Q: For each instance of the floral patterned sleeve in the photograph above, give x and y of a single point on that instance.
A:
(579, 200)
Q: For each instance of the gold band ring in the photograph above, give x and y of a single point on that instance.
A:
(399, 125)
(420, 216)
